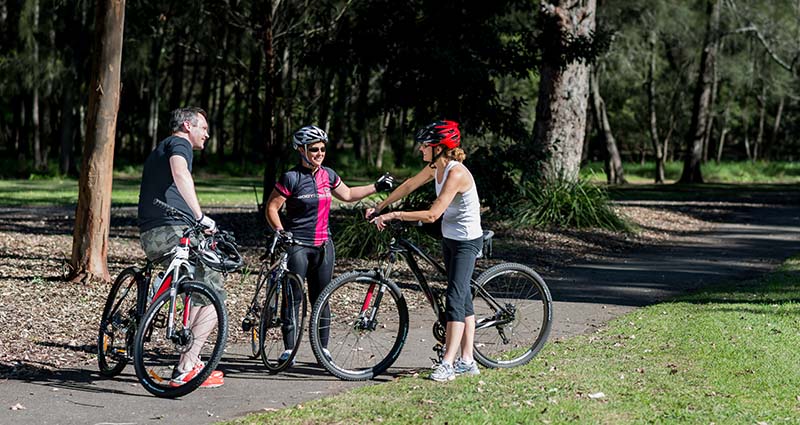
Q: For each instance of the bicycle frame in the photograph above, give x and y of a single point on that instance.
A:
(410, 251)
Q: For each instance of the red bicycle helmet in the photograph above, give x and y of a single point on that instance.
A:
(440, 133)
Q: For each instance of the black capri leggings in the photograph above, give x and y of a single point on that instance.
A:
(315, 265)
(459, 260)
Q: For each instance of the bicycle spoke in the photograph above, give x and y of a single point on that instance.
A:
(361, 344)
(118, 324)
(195, 337)
(512, 311)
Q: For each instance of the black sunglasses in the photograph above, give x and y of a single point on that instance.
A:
(315, 150)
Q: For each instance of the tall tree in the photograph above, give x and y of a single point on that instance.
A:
(613, 166)
(560, 124)
(90, 237)
(701, 107)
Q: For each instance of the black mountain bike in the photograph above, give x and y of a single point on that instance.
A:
(271, 318)
(369, 316)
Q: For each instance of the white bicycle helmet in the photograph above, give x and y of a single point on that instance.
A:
(308, 135)
(219, 253)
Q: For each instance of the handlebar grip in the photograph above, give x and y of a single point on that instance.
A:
(173, 211)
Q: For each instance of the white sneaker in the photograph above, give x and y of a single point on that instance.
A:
(444, 372)
(327, 354)
(285, 356)
(463, 368)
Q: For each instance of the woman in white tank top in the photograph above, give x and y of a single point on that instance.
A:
(458, 204)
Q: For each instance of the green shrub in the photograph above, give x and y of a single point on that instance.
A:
(355, 237)
(565, 204)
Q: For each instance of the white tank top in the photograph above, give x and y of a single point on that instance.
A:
(462, 218)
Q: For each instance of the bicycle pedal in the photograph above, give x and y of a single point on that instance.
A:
(247, 324)
(160, 321)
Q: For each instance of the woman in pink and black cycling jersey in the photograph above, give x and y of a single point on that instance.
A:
(307, 191)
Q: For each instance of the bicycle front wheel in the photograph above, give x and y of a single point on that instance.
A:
(365, 330)
(118, 322)
(189, 337)
(282, 321)
(513, 315)
(252, 321)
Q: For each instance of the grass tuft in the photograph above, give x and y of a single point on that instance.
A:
(566, 204)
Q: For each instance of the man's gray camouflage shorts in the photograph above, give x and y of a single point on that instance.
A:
(159, 241)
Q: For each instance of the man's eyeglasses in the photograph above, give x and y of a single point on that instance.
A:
(315, 150)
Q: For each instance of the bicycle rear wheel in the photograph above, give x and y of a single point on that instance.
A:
(281, 325)
(118, 322)
(367, 328)
(252, 321)
(513, 315)
(200, 326)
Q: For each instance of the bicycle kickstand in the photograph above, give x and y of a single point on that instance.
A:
(439, 350)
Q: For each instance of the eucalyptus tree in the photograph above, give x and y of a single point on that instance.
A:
(559, 128)
(93, 213)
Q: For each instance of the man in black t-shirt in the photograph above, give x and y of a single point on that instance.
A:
(167, 176)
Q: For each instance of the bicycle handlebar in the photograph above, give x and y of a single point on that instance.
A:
(174, 212)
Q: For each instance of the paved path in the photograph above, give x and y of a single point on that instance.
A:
(750, 242)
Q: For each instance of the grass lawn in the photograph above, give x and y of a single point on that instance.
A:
(212, 190)
(727, 355)
(725, 172)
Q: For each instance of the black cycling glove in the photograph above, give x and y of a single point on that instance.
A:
(384, 183)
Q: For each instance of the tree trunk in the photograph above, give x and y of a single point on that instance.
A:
(339, 123)
(747, 149)
(613, 163)
(155, 78)
(92, 216)
(762, 106)
(387, 118)
(775, 126)
(270, 150)
(65, 163)
(359, 135)
(692, 172)
(39, 163)
(221, 136)
(559, 129)
(658, 149)
(711, 102)
(723, 133)
(397, 138)
(177, 72)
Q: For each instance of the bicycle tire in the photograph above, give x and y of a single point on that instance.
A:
(272, 328)
(256, 309)
(510, 335)
(359, 350)
(119, 322)
(155, 356)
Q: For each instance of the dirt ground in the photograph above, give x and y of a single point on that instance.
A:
(50, 324)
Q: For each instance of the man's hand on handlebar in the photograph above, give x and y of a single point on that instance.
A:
(209, 224)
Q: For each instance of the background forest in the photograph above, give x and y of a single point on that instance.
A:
(370, 72)
(539, 87)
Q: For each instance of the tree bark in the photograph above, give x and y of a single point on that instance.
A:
(93, 214)
(723, 133)
(692, 172)
(359, 135)
(270, 150)
(559, 128)
(177, 71)
(387, 118)
(658, 148)
(775, 126)
(65, 163)
(762, 106)
(613, 165)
